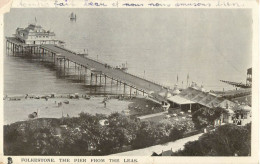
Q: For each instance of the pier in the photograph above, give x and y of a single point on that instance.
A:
(99, 70)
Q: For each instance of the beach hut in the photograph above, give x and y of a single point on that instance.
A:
(76, 95)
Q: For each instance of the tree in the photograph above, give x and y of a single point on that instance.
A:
(206, 116)
(145, 135)
(226, 140)
(175, 134)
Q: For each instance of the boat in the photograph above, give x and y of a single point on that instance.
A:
(73, 17)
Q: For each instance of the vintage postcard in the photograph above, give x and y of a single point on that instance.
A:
(129, 81)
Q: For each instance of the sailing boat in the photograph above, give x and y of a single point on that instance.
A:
(73, 17)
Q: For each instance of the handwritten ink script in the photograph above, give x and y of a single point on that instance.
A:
(126, 4)
(98, 4)
(58, 3)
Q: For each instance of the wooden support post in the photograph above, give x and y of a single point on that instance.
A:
(19, 49)
(124, 87)
(64, 64)
(100, 79)
(13, 48)
(143, 92)
(130, 91)
(105, 79)
(136, 91)
(96, 78)
(8, 47)
(79, 71)
(91, 77)
(16, 49)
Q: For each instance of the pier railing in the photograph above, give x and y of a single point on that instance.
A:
(103, 63)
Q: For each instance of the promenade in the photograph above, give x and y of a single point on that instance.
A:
(174, 146)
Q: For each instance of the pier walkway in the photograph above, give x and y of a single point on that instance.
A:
(154, 90)
(116, 74)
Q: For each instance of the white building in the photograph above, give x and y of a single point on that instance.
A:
(35, 34)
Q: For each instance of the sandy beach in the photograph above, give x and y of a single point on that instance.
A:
(19, 110)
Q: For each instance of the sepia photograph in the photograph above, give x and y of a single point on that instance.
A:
(127, 82)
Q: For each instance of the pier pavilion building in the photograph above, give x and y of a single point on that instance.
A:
(35, 34)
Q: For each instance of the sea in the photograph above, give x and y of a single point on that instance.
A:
(168, 46)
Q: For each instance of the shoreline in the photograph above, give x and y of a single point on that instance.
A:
(59, 107)
(19, 107)
(60, 95)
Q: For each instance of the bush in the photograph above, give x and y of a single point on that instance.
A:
(226, 140)
(205, 116)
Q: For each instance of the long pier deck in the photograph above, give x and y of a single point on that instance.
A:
(124, 77)
(96, 67)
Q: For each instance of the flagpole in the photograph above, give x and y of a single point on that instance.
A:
(187, 80)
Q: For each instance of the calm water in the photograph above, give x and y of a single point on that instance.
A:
(32, 75)
(156, 44)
